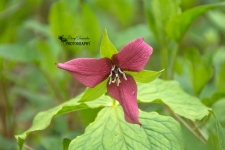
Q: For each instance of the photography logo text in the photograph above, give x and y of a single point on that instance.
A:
(74, 41)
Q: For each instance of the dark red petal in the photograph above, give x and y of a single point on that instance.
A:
(88, 71)
(126, 94)
(133, 56)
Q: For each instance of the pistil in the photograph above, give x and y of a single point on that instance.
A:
(115, 74)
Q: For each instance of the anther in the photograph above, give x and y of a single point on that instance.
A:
(124, 76)
(113, 67)
(114, 80)
(115, 74)
(118, 82)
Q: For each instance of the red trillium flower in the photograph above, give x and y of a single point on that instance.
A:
(120, 86)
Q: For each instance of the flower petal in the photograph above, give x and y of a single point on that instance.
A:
(88, 71)
(133, 56)
(126, 94)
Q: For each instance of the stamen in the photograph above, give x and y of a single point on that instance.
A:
(113, 67)
(110, 80)
(118, 82)
(124, 76)
(110, 74)
(120, 70)
(114, 80)
(115, 74)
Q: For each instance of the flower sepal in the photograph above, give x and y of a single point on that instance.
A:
(145, 76)
(91, 94)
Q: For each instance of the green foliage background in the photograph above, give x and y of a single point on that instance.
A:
(188, 42)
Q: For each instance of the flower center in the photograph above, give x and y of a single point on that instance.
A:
(115, 75)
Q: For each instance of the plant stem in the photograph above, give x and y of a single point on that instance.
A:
(28, 147)
(197, 130)
(201, 138)
(172, 61)
(114, 102)
(164, 57)
(5, 107)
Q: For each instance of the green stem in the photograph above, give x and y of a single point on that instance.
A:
(197, 130)
(164, 62)
(27, 146)
(172, 61)
(5, 106)
(201, 137)
(114, 102)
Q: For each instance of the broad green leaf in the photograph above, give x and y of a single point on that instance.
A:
(214, 99)
(218, 109)
(122, 10)
(110, 131)
(170, 93)
(220, 133)
(179, 24)
(107, 49)
(213, 142)
(66, 143)
(145, 76)
(218, 18)
(219, 65)
(61, 21)
(159, 13)
(93, 93)
(43, 119)
(50, 143)
(125, 36)
(6, 143)
(191, 142)
(90, 28)
(37, 26)
(19, 52)
(200, 69)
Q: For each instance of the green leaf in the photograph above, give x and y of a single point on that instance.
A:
(19, 52)
(219, 110)
(111, 131)
(61, 21)
(200, 69)
(107, 49)
(214, 99)
(66, 143)
(219, 65)
(170, 93)
(94, 93)
(43, 119)
(129, 34)
(50, 143)
(159, 13)
(218, 18)
(191, 142)
(220, 133)
(129, 9)
(145, 76)
(179, 24)
(87, 17)
(213, 142)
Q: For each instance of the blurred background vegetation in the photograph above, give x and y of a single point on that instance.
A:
(29, 48)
